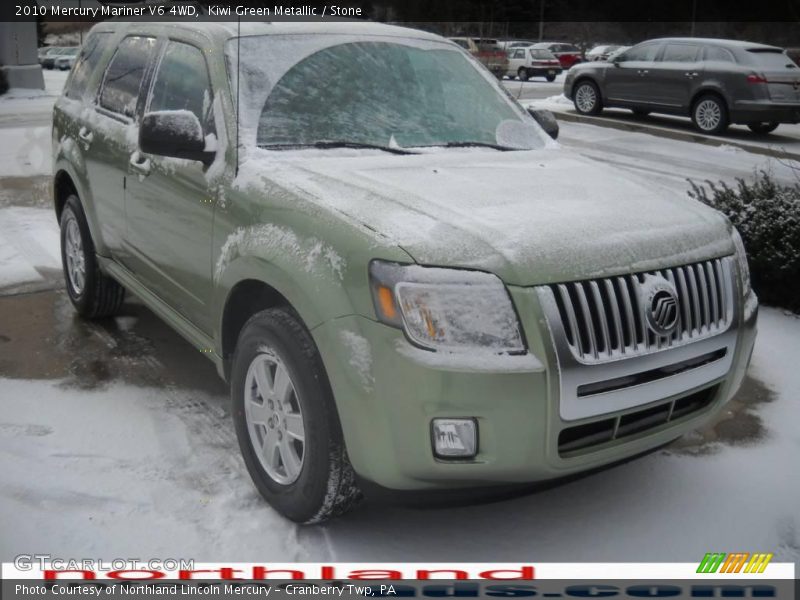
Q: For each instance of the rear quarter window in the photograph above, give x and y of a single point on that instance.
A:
(124, 75)
(715, 54)
(87, 62)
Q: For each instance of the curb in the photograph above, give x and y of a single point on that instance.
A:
(684, 136)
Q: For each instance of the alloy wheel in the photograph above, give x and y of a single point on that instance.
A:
(586, 98)
(708, 115)
(76, 262)
(274, 417)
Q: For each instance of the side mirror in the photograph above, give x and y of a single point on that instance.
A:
(175, 133)
(547, 120)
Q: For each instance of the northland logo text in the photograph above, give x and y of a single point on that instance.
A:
(319, 573)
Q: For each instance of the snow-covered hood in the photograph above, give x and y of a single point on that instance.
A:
(530, 217)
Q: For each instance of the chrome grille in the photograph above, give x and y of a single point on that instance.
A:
(604, 319)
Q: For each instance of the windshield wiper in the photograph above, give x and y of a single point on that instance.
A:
(335, 144)
(475, 145)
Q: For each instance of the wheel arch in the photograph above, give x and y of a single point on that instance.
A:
(63, 187)
(246, 298)
(709, 90)
(581, 79)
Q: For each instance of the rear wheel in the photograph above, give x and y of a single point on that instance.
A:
(763, 127)
(587, 98)
(522, 74)
(550, 78)
(710, 115)
(286, 420)
(91, 293)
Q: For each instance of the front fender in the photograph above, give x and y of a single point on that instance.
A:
(314, 296)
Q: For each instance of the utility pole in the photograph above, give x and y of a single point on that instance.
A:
(541, 20)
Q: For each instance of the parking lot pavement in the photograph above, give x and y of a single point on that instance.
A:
(534, 89)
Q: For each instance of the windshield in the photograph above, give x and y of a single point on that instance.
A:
(377, 94)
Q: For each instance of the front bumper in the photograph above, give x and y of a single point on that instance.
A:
(386, 402)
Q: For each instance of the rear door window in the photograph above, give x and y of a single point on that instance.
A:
(680, 53)
(90, 55)
(182, 82)
(123, 78)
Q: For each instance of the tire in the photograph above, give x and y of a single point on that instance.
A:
(763, 128)
(550, 78)
(306, 475)
(586, 98)
(93, 294)
(522, 74)
(710, 114)
(640, 112)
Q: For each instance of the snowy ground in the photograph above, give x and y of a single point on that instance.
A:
(116, 440)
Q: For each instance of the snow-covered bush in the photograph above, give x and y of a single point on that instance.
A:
(767, 214)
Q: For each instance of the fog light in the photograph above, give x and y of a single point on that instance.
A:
(455, 438)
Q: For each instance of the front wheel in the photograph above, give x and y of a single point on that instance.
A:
(710, 115)
(587, 98)
(522, 74)
(763, 127)
(550, 78)
(286, 420)
(91, 293)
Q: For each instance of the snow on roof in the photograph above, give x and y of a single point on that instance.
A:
(229, 29)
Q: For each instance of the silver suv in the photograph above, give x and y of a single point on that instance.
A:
(715, 82)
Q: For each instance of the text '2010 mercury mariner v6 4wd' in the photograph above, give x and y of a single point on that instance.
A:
(397, 271)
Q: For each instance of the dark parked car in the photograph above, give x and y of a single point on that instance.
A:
(567, 54)
(715, 82)
(49, 60)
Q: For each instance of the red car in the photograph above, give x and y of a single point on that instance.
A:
(567, 54)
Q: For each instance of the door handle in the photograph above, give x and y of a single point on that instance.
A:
(86, 136)
(693, 74)
(643, 72)
(140, 164)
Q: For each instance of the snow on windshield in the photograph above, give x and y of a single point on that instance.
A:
(302, 90)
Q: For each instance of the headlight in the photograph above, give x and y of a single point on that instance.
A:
(741, 257)
(446, 309)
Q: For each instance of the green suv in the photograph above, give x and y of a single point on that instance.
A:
(405, 281)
